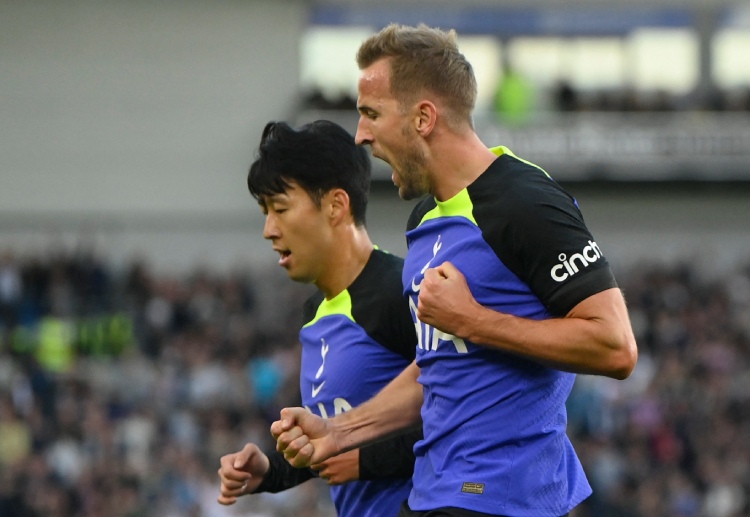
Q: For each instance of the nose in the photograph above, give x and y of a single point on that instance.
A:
(363, 135)
(270, 228)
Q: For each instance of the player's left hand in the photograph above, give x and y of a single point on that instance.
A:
(339, 469)
(241, 473)
(445, 301)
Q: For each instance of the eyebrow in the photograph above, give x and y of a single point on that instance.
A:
(279, 196)
(272, 198)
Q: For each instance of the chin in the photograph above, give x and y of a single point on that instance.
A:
(302, 279)
(407, 194)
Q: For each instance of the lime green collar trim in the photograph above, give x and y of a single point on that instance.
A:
(459, 205)
(339, 304)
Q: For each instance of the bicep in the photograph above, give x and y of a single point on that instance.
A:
(606, 320)
(605, 306)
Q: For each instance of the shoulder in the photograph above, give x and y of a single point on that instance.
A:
(530, 222)
(384, 262)
(516, 200)
(380, 279)
(379, 305)
(517, 189)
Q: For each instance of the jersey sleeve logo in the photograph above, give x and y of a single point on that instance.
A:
(570, 266)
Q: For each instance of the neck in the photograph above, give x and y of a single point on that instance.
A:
(456, 162)
(350, 252)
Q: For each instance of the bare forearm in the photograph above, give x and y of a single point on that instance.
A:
(589, 340)
(395, 408)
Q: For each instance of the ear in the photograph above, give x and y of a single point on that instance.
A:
(425, 118)
(338, 205)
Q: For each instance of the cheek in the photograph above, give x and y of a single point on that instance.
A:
(388, 142)
(309, 230)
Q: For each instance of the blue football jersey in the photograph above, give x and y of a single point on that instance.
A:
(352, 346)
(494, 423)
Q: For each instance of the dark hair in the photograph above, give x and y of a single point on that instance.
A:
(319, 157)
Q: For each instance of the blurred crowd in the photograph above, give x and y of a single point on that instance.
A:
(517, 93)
(566, 98)
(120, 389)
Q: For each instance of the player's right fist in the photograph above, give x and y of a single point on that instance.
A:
(302, 437)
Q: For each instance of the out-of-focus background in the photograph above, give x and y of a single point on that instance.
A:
(145, 329)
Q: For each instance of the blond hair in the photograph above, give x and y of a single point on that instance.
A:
(423, 59)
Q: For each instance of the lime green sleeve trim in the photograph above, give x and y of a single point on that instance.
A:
(459, 205)
(339, 304)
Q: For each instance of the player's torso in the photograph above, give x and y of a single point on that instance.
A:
(452, 367)
(342, 366)
(474, 397)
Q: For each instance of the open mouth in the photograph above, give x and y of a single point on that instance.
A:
(284, 256)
